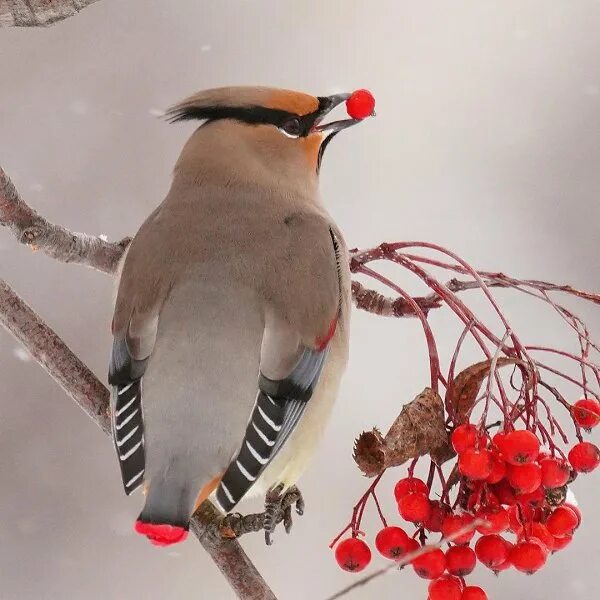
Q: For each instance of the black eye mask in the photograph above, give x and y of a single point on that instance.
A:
(293, 124)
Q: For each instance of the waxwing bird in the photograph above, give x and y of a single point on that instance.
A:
(231, 317)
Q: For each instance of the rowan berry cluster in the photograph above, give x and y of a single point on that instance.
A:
(511, 510)
(505, 499)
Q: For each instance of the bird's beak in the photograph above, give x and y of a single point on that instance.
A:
(329, 103)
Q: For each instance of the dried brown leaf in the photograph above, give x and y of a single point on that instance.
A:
(463, 390)
(368, 452)
(419, 429)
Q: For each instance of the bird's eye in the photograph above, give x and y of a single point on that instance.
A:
(291, 127)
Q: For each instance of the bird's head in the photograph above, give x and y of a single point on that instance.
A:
(274, 124)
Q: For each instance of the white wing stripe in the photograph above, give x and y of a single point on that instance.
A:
(264, 415)
(127, 437)
(134, 478)
(243, 471)
(256, 455)
(227, 492)
(123, 390)
(262, 436)
(137, 410)
(128, 454)
(124, 408)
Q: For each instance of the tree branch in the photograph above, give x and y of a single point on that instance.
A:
(38, 13)
(378, 304)
(55, 241)
(89, 393)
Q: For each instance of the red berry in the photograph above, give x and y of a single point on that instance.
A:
(561, 542)
(504, 493)
(525, 478)
(498, 439)
(361, 104)
(491, 550)
(352, 555)
(436, 517)
(410, 485)
(533, 499)
(498, 469)
(430, 565)
(576, 510)
(460, 560)
(506, 564)
(586, 413)
(584, 457)
(475, 464)
(465, 437)
(453, 523)
(555, 472)
(528, 556)
(538, 531)
(517, 516)
(446, 588)
(496, 520)
(474, 500)
(412, 546)
(519, 447)
(415, 508)
(562, 522)
(473, 592)
(392, 542)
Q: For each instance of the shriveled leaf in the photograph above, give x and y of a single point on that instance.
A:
(419, 429)
(463, 390)
(442, 453)
(369, 453)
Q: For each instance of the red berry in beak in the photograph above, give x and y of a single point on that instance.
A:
(361, 104)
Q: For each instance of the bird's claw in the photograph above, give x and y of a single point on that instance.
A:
(278, 507)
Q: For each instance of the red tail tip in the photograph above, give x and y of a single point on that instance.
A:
(161, 534)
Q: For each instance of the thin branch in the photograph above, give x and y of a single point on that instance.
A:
(38, 13)
(54, 356)
(89, 393)
(54, 240)
(378, 304)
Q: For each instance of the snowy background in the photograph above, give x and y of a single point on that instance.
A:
(487, 140)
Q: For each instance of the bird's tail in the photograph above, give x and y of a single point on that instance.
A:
(166, 515)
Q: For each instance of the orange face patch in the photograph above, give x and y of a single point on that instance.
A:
(294, 102)
(311, 145)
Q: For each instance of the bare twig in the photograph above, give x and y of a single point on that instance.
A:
(54, 240)
(38, 13)
(378, 304)
(89, 393)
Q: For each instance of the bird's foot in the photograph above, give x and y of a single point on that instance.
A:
(278, 507)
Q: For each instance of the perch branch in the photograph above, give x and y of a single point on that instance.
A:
(54, 356)
(38, 13)
(54, 240)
